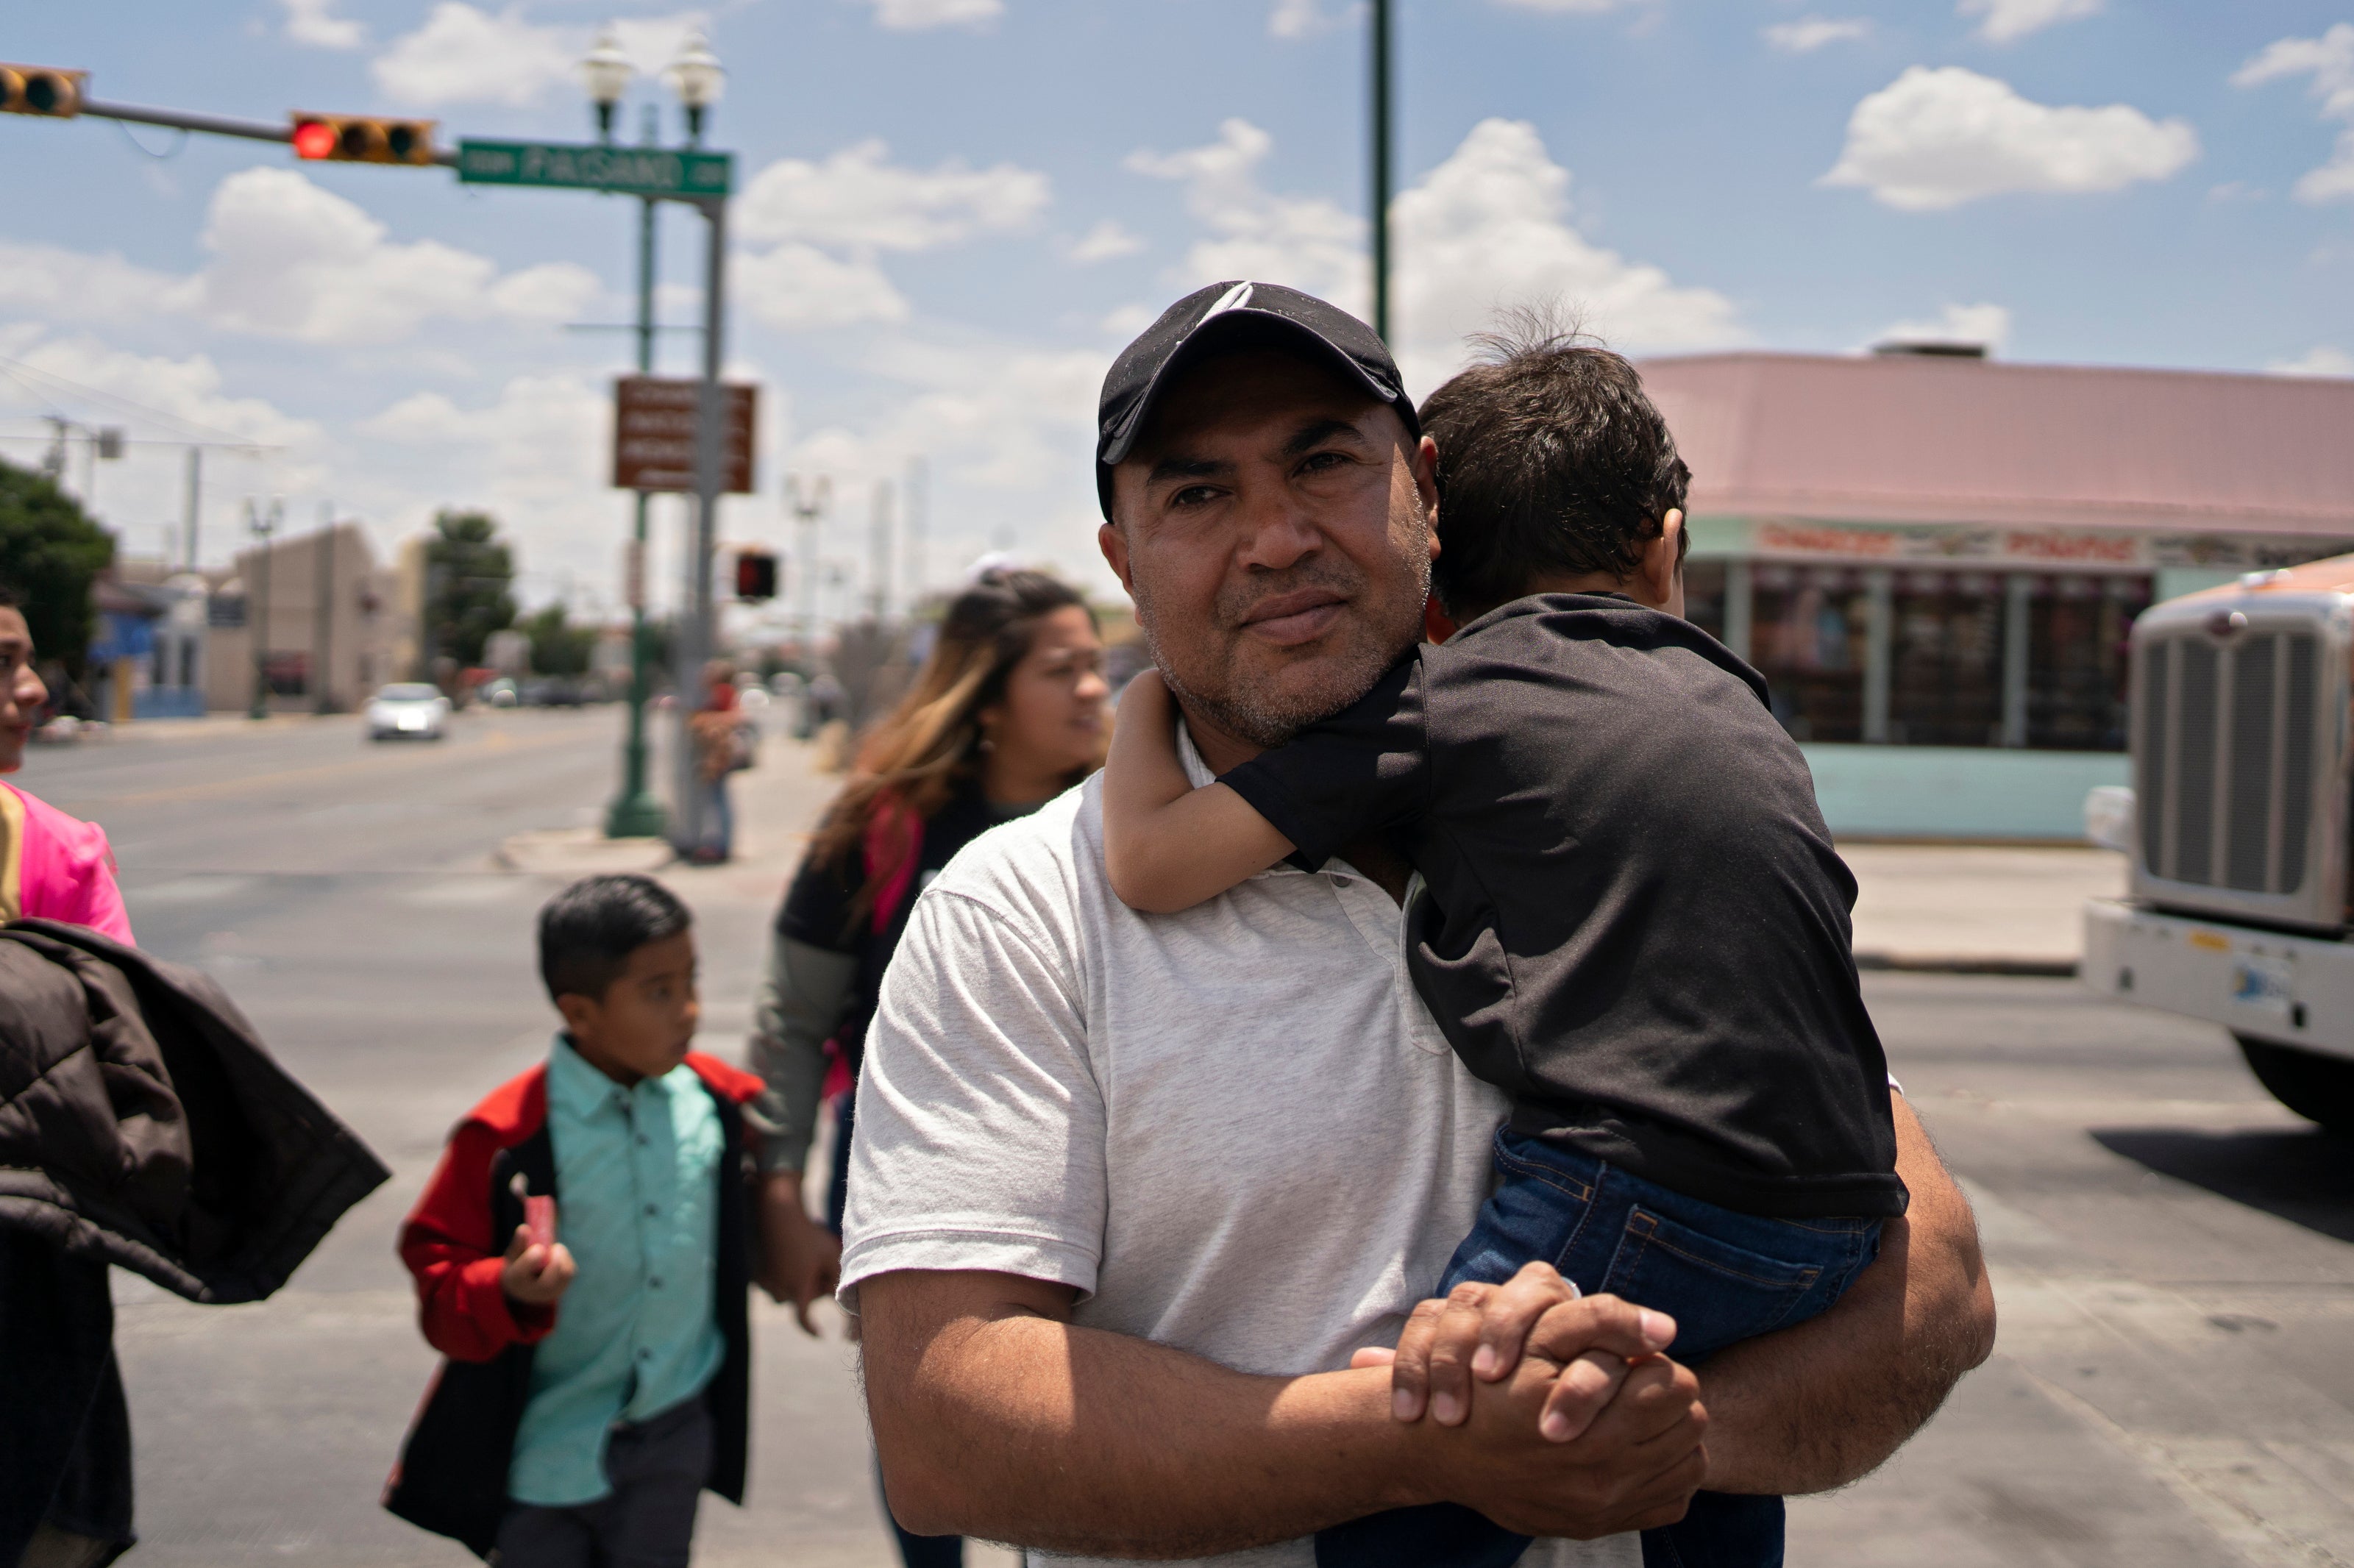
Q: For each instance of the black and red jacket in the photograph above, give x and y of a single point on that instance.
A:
(452, 1475)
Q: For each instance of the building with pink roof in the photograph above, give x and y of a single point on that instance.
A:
(1935, 557)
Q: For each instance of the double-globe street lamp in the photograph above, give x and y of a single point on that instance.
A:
(698, 80)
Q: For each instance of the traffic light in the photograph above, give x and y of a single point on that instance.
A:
(756, 574)
(41, 90)
(362, 138)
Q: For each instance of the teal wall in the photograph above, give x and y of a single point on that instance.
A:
(1958, 793)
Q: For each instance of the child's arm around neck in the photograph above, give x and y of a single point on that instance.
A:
(1167, 845)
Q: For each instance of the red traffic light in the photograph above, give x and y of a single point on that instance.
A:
(314, 139)
(756, 574)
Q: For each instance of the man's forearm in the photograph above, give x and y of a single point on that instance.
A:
(1819, 1405)
(1023, 1428)
(995, 1416)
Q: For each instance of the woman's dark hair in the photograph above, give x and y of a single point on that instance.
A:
(919, 754)
(1551, 460)
(587, 932)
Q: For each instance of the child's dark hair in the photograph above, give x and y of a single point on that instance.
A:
(1551, 460)
(587, 932)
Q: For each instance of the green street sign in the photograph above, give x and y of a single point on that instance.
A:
(627, 171)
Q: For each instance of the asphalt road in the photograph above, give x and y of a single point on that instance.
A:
(2174, 1255)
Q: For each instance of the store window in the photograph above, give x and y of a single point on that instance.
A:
(1945, 659)
(1808, 627)
(2077, 627)
(1704, 596)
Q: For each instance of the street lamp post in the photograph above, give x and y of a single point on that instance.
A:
(635, 811)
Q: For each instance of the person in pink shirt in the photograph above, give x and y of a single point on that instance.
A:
(52, 866)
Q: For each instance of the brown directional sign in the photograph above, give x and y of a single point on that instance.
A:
(653, 434)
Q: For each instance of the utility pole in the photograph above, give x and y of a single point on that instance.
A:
(262, 527)
(322, 626)
(1381, 161)
(196, 490)
(806, 510)
(635, 811)
(878, 546)
(919, 525)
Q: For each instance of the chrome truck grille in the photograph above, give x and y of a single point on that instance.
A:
(2239, 759)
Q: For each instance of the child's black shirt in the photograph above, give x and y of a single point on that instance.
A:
(1633, 920)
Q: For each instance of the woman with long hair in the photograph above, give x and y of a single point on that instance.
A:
(1007, 712)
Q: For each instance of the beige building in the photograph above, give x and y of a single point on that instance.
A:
(335, 624)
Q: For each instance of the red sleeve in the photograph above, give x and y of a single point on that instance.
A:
(448, 1245)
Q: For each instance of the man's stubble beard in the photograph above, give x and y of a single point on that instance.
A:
(1264, 718)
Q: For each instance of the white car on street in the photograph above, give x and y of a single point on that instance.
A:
(408, 711)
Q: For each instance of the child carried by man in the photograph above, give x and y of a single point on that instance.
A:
(1628, 912)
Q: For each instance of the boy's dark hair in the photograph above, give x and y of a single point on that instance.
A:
(1551, 458)
(587, 932)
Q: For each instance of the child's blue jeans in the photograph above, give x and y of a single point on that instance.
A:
(1723, 1277)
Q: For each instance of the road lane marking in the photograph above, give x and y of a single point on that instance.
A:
(497, 740)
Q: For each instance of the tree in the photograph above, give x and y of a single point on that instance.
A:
(468, 573)
(558, 647)
(49, 551)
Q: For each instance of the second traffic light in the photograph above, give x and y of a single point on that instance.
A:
(362, 138)
(756, 574)
(41, 90)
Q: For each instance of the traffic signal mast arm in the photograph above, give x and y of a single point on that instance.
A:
(46, 92)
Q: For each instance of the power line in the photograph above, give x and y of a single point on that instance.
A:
(17, 370)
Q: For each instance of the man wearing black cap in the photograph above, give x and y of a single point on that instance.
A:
(1132, 1190)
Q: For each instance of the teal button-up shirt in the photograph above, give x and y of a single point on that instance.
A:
(637, 1203)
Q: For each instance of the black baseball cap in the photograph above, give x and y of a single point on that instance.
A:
(1228, 315)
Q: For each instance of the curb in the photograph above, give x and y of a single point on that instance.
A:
(581, 851)
(1965, 964)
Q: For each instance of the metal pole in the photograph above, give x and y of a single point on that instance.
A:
(918, 531)
(261, 530)
(322, 626)
(695, 639)
(635, 811)
(878, 545)
(1381, 161)
(195, 491)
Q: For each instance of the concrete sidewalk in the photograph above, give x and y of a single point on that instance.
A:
(1957, 908)
(1973, 907)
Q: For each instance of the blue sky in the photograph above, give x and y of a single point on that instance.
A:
(954, 211)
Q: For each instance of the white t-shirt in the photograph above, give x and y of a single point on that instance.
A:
(1235, 1130)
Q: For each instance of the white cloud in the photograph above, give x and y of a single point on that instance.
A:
(825, 222)
(1572, 7)
(462, 54)
(1490, 227)
(2320, 360)
(2330, 61)
(1937, 138)
(918, 15)
(1983, 323)
(1106, 242)
(1300, 19)
(858, 199)
(135, 496)
(796, 286)
(1308, 243)
(315, 22)
(291, 260)
(57, 284)
(1808, 33)
(2008, 19)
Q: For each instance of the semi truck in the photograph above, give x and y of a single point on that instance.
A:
(2240, 905)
